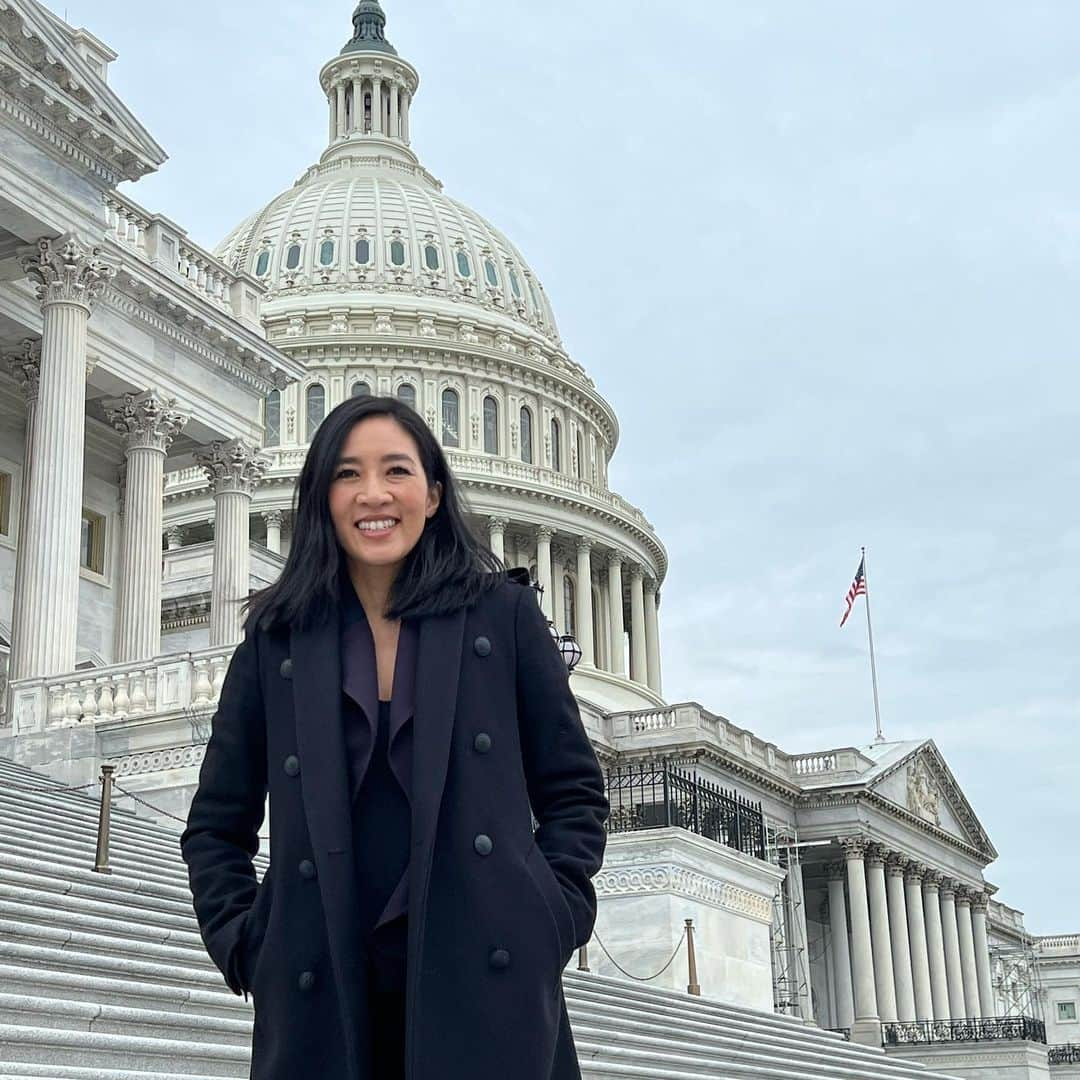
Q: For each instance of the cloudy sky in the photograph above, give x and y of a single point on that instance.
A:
(823, 260)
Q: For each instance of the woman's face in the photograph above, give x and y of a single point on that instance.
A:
(379, 494)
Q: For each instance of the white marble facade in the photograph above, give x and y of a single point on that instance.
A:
(157, 399)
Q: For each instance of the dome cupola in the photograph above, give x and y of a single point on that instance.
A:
(369, 29)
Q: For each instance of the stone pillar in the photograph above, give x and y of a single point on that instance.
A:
(376, 107)
(149, 423)
(920, 966)
(951, 938)
(543, 567)
(70, 277)
(615, 613)
(406, 102)
(331, 99)
(968, 972)
(583, 600)
(357, 104)
(233, 469)
(935, 945)
(395, 106)
(652, 635)
(866, 1027)
(979, 904)
(879, 934)
(273, 530)
(898, 936)
(838, 940)
(497, 535)
(558, 590)
(174, 537)
(341, 116)
(639, 665)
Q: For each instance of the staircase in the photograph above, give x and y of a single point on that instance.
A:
(104, 977)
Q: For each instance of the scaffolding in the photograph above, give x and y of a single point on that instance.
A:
(1016, 979)
(790, 955)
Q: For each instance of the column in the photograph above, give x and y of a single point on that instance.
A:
(639, 666)
(174, 537)
(331, 99)
(70, 277)
(406, 103)
(376, 106)
(880, 939)
(543, 566)
(966, 934)
(838, 942)
(233, 469)
(497, 535)
(951, 939)
(798, 937)
(273, 530)
(395, 105)
(583, 600)
(357, 104)
(862, 961)
(149, 423)
(898, 936)
(615, 613)
(979, 904)
(558, 590)
(920, 966)
(524, 556)
(652, 635)
(935, 945)
(340, 90)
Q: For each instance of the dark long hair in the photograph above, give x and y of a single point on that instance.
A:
(447, 569)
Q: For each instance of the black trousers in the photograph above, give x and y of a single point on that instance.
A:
(386, 994)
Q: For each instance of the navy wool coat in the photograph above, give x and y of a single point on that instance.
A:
(495, 911)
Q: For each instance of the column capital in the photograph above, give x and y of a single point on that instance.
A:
(24, 366)
(174, 535)
(837, 871)
(949, 887)
(149, 421)
(980, 902)
(931, 880)
(66, 271)
(914, 871)
(876, 854)
(896, 864)
(583, 543)
(544, 533)
(637, 573)
(273, 518)
(964, 896)
(498, 524)
(854, 847)
(615, 559)
(232, 466)
(651, 584)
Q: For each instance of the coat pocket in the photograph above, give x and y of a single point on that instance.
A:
(255, 925)
(548, 885)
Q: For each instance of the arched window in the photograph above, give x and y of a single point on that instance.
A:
(580, 445)
(463, 265)
(292, 257)
(326, 252)
(556, 447)
(262, 263)
(491, 274)
(491, 425)
(568, 605)
(451, 422)
(431, 257)
(526, 434)
(316, 408)
(397, 253)
(515, 285)
(272, 418)
(361, 388)
(407, 392)
(363, 251)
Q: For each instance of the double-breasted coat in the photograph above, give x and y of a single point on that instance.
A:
(495, 911)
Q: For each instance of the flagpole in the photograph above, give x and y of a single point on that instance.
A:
(879, 737)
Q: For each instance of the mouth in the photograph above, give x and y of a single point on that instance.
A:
(377, 528)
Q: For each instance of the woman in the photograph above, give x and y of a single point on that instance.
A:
(400, 698)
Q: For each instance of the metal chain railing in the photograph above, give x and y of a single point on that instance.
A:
(692, 986)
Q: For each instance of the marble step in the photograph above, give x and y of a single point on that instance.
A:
(28, 1071)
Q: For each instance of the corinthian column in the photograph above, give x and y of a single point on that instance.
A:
(639, 670)
(935, 946)
(866, 1026)
(583, 600)
(920, 965)
(615, 614)
(70, 278)
(543, 568)
(273, 519)
(880, 938)
(497, 536)
(652, 634)
(951, 938)
(150, 423)
(898, 935)
(982, 954)
(233, 469)
(966, 934)
(838, 940)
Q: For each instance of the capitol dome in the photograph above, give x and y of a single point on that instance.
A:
(379, 283)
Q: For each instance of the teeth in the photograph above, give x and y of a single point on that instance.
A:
(375, 526)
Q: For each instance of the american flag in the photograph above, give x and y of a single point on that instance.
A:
(858, 586)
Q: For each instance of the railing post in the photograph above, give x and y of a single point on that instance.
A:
(583, 958)
(101, 860)
(667, 795)
(692, 987)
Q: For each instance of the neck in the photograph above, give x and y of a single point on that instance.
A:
(372, 585)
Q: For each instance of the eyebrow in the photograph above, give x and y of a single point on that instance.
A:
(386, 459)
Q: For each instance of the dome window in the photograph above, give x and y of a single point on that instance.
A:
(292, 257)
(397, 253)
(406, 392)
(580, 447)
(326, 252)
(463, 265)
(451, 413)
(491, 274)
(262, 263)
(272, 418)
(491, 425)
(515, 284)
(316, 408)
(361, 389)
(556, 445)
(431, 257)
(526, 435)
(363, 251)
(534, 295)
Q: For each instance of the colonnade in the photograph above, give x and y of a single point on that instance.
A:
(387, 114)
(918, 947)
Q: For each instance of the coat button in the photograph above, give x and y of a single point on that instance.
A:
(483, 844)
(499, 958)
(307, 869)
(482, 742)
(482, 646)
(286, 668)
(306, 980)
(291, 765)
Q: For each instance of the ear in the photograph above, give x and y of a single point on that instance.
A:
(434, 498)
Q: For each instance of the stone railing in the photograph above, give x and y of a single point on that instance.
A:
(807, 764)
(164, 685)
(164, 244)
(1058, 943)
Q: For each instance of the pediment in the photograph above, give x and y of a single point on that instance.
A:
(923, 785)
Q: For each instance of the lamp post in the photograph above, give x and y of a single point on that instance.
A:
(566, 643)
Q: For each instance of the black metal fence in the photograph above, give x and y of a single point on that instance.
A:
(979, 1029)
(1064, 1054)
(661, 792)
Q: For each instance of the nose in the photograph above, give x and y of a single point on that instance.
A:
(372, 492)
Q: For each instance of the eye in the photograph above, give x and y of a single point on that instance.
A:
(344, 472)
(400, 469)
